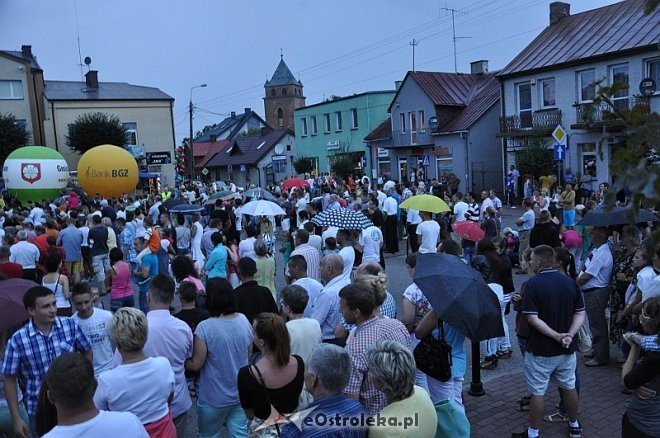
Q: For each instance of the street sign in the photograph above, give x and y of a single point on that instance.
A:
(363, 159)
(243, 168)
(158, 158)
(205, 171)
(559, 134)
(426, 161)
(560, 152)
(278, 157)
(433, 123)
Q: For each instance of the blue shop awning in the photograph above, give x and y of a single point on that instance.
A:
(148, 175)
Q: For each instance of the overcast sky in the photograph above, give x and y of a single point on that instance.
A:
(335, 47)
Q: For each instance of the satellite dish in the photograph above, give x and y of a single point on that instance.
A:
(433, 123)
(279, 149)
(88, 60)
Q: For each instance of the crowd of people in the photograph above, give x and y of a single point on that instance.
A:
(210, 326)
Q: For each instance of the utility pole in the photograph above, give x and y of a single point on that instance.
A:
(453, 31)
(414, 43)
(190, 139)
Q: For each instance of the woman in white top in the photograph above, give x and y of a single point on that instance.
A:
(141, 385)
(58, 283)
(196, 231)
(112, 236)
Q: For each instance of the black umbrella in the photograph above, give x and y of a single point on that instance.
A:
(599, 217)
(459, 295)
(342, 218)
(173, 203)
(186, 208)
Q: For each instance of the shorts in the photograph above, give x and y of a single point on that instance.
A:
(569, 218)
(539, 370)
(74, 267)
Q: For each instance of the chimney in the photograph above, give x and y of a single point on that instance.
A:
(233, 115)
(397, 85)
(479, 67)
(247, 110)
(214, 138)
(92, 79)
(559, 10)
(26, 51)
(266, 130)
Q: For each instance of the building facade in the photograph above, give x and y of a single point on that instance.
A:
(555, 80)
(283, 95)
(339, 126)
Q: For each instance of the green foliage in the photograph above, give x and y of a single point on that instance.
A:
(303, 164)
(204, 130)
(250, 132)
(651, 6)
(536, 157)
(342, 165)
(94, 129)
(12, 135)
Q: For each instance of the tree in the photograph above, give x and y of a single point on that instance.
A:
(303, 164)
(535, 158)
(93, 129)
(12, 135)
(342, 165)
(249, 133)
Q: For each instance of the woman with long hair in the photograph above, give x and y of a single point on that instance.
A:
(118, 281)
(275, 381)
(623, 273)
(221, 349)
(58, 283)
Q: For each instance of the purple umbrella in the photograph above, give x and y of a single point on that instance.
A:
(12, 311)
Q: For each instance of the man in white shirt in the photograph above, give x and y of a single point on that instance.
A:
(71, 386)
(154, 210)
(314, 240)
(346, 252)
(460, 208)
(37, 214)
(390, 210)
(326, 307)
(371, 240)
(95, 323)
(25, 254)
(301, 204)
(389, 185)
(485, 203)
(525, 224)
(381, 198)
(296, 269)
(595, 283)
(429, 230)
(311, 254)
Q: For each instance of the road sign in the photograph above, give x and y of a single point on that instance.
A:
(426, 161)
(363, 159)
(205, 171)
(560, 152)
(243, 168)
(278, 157)
(559, 134)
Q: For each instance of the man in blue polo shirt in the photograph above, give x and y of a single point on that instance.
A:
(554, 309)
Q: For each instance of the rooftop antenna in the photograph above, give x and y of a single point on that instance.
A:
(414, 43)
(453, 12)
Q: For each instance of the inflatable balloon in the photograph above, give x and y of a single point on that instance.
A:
(108, 170)
(33, 173)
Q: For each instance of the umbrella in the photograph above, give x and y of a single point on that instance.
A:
(185, 208)
(459, 295)
(429, 203)
(173, 203)
(342, 218)
(224, 195)
(468, 230)
(12, 311)
(259, 193)
(599, 217)
(294, 182)
(260, 207)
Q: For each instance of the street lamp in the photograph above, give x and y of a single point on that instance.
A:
(190, 139)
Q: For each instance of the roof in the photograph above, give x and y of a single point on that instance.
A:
(21, 57)
(382, 131)
(621, 27)
(483, 95)
(203, 152)
(234, 124)
(247, 150)
(76, 90)
(282, 76)
(340, 99)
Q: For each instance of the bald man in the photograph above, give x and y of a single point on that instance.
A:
(326, 307)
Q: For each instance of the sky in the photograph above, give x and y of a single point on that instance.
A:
(338, 47)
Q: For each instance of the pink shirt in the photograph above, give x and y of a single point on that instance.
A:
(121, 282)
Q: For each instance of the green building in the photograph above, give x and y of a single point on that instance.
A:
(339, 126)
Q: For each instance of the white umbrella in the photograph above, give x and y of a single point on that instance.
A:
(260, 208)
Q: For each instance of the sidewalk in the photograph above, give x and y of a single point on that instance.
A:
(601, 405)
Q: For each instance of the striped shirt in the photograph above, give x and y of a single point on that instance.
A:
(312, 257)
(30, 352)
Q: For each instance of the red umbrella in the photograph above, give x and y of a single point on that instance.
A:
(12, 311)
(294, 182)
(468, 230)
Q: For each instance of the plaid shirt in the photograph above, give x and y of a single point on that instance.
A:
(30, 352)
(126, 238)
(387, 309)
(650, 343)
(364, 337)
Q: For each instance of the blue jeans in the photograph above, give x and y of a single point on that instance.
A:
(210, 420)
(142, 295)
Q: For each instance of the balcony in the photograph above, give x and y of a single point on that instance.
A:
(407, 138)
(595, 117)
(521, 125)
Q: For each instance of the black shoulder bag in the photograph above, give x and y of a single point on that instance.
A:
(433, 356)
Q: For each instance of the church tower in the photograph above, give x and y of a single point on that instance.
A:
(284, 94)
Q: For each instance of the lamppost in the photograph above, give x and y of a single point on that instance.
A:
(190, 139)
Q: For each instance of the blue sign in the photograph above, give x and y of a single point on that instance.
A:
(560, 152)
(426, 161)
(243, 168)
(364, 161)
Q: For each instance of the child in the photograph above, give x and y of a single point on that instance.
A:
(330, 246)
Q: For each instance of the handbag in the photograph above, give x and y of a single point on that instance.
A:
(433, 356)
(584, 343)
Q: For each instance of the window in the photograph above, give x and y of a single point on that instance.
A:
(338, 120)
(653, 70)
(283, 91)
(280, 117)
(586, 85)
(272, 93)
(525, 104)
(314, 126)
(620, 80)
(413, 127)
(131, 134)
(327, 122)
(403, 123)
(11, 90)
(354, 118)
(288, 148)
(303, 126)
(588, 159)
(548, 93)
(422, 121)
(444, 166)
(279, 166)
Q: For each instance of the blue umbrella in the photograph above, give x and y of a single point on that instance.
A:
(459, 295)
(186, 209)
